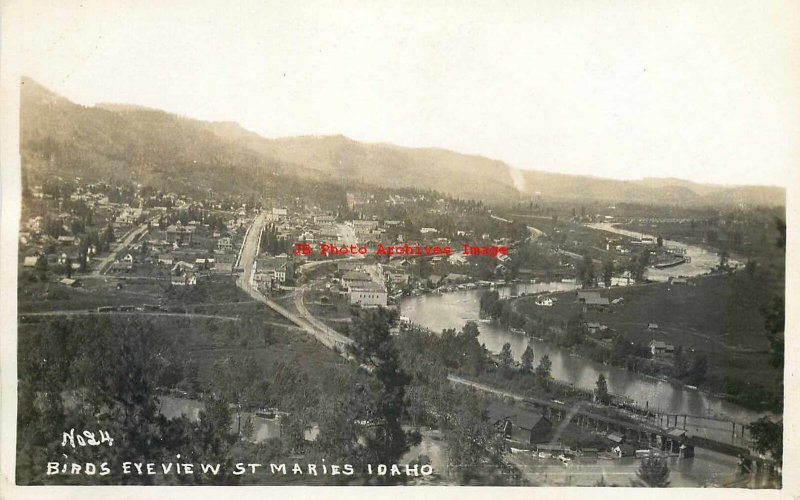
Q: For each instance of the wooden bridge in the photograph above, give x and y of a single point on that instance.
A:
(671, 439)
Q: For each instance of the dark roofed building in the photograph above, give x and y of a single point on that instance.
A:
(520, 424)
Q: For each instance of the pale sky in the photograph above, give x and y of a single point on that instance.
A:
(702, 90)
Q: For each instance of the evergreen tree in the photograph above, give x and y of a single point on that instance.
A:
(527, 360)
(506, 360)
(543, 370)
(653, 473)
(601, 391)
(374, 346)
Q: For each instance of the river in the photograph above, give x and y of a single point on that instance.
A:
(452, 310)
(702, 261)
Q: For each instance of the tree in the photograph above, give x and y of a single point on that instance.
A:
(653, 473)
(108, 236)
(506, 360)
(527, 360)
(768, 437)
(587, 271)
(374, 345)
(678, 363)
(608, 272)
(775, 326)
(697, 372)
(68, 267)
(543, 370)
(660, 241)
(601, 391)
(239, 381)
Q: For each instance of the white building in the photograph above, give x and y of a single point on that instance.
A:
(368, 295)
(224, 244)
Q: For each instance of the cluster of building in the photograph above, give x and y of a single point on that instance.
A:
(363, 283)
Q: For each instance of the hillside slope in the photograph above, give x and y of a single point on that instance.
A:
(108, 142)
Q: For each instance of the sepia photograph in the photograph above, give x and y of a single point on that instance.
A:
(501, 244)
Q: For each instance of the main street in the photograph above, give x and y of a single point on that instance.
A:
(307, 322)
(102, 264)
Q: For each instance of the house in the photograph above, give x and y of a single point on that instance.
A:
(224, 244)
(67, 240)
(652, 326)
(659, 347)
(592, 299)
(277, 269)
(455, 278)
(204, 263)
(594, 327)
(179, 234)
(355, 278)
(544, 301)
(624, 450)
(519, 424)
(30, 261)
(70, 282)
(368, 295)
(457, 259)
(186, 279)
(364, 226)
(428, 230)
(121, 267)
(224, 263)
(127, 258)
(165, 260)
(615, 438)
(181, 267)
(324, 220)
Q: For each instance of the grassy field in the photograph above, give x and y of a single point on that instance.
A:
(256, 332)
(719, 316)
(93, 293)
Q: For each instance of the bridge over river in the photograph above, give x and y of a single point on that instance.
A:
(672, 439)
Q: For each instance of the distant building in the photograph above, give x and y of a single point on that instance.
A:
(224, 263)
(355, 278)
(520, 424)
(324, 220)
(187, 279)
(30, 261)
(457, 259)
(658, 347)
(368, 295)
(67, 240)
(179, 234)
(224, 244)
(592, 299)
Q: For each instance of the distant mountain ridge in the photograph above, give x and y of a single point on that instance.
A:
(120, 141)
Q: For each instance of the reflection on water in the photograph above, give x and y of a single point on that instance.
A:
(452, 310)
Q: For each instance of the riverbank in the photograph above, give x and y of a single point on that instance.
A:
(439, 312)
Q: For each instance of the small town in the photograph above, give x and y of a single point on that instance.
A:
(569, 285)
(399, 245)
